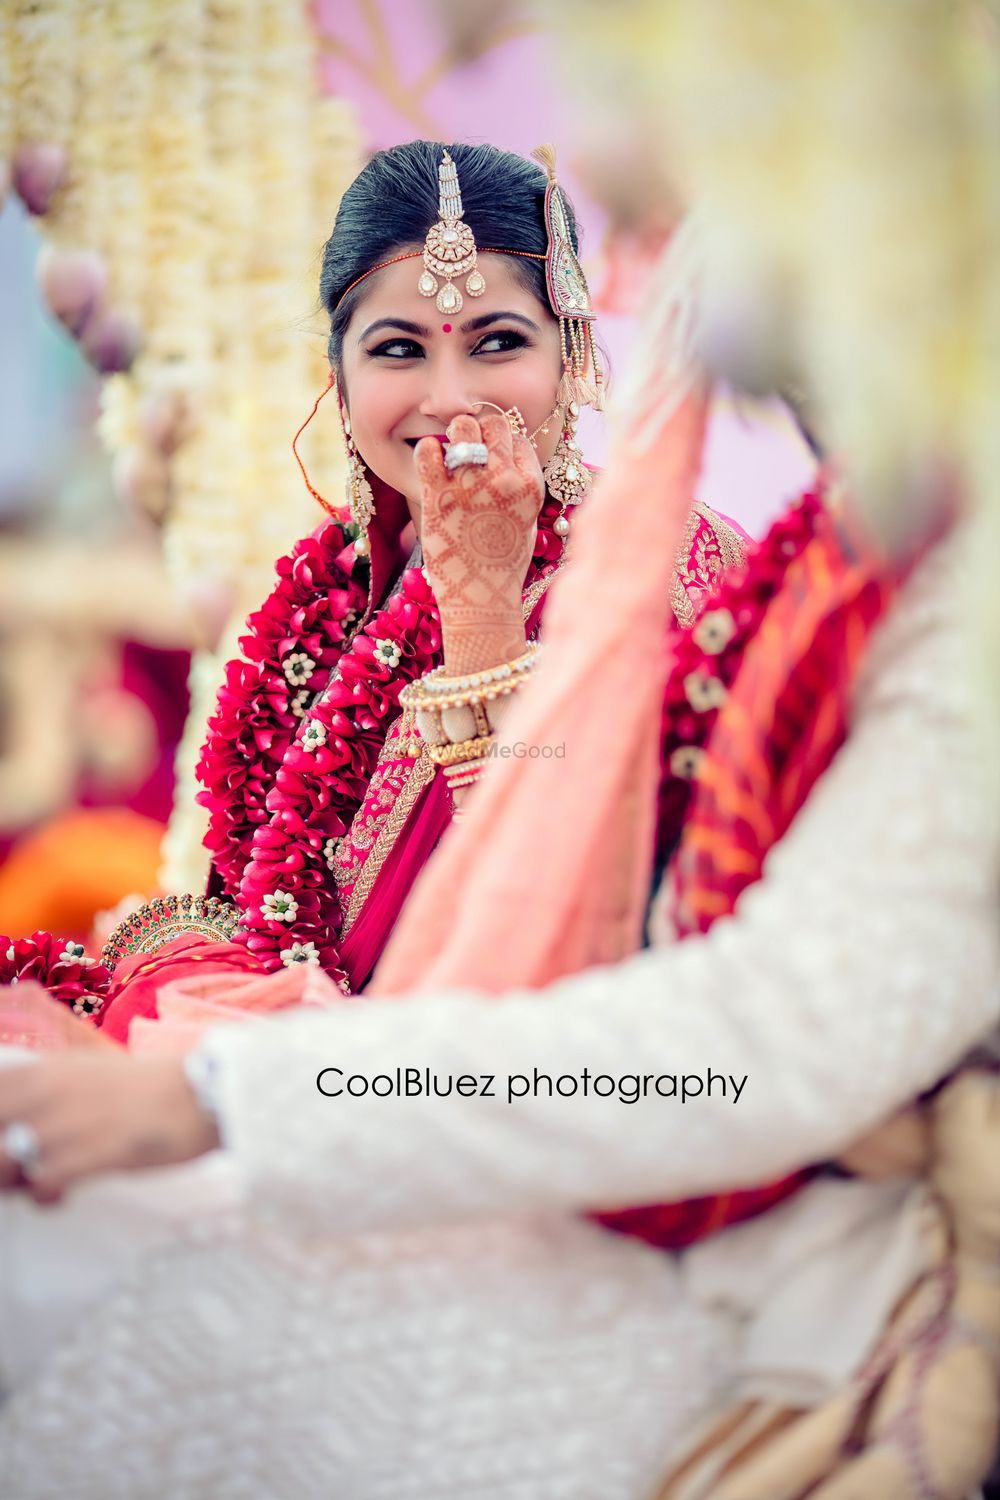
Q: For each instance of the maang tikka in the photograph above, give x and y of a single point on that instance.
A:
(450, 247)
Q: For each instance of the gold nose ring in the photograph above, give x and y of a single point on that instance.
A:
(515, 421)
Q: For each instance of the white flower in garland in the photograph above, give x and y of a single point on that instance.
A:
(330, 853)
(704, 692)
(686, 761)
(298, 668)
(300, 953)
(299, 702)
(279, 906)
(714, 631)
(314, 736)
(73, 953)
(388, 653)
(11, 955)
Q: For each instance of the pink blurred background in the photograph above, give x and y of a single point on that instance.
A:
(392, 60)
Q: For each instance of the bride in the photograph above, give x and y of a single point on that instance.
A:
(457, 308)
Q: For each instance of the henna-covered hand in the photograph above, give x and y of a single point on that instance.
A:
(477, 530)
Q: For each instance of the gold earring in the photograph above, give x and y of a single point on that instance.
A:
(360, 500)
(567, 478)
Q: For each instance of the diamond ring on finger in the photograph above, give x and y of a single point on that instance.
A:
(21, 1144)
(457, 454)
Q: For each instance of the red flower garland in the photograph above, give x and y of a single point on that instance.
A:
(310, 613)
(278, 789)
(62, 967)
(707, 657)
(274, 803)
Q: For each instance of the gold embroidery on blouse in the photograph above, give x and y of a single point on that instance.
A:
(407, 744)
(731, 544)
(414, 778)
(540, 586)
(699, 566)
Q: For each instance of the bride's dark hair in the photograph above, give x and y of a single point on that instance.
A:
(392, 203)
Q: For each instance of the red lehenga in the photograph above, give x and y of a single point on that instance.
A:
(324, 806)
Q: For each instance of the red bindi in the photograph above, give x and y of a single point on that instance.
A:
(445, 327)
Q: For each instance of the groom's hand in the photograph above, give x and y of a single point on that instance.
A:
(86, 1113)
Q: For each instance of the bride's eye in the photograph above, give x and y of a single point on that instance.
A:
(396, 349)
(503, 341)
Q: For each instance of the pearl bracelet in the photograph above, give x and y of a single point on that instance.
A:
(432, 692)
(435, 682)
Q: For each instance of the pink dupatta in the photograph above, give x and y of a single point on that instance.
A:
(474, 919)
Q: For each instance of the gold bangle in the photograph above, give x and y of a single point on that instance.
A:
(482, 718)
(414, 695)
(451, 754)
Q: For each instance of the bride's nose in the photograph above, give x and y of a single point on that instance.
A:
(448, 391)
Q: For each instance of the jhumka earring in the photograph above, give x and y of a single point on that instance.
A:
(450, 247)
(566, 476)
(360, 500)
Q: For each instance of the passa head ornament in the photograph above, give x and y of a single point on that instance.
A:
(567, 477)
(450, 252)
(569, 297)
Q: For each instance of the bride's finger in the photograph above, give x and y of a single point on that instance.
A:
(527, 465)
(498, 438)
(464, 429)
(430, 463)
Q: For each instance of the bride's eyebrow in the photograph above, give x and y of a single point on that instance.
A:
(400, 324)
(484, 321)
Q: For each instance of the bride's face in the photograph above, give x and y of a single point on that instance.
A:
(407, 369)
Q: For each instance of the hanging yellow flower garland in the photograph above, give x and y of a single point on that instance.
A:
(204, 169)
